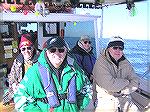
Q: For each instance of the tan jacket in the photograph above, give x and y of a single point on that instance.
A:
(113, 85)
(113, 79)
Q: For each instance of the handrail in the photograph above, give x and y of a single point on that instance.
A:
(146, 72)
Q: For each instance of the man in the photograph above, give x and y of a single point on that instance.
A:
(55, 83)
(115, 79)
(23, 61)
(84, 55)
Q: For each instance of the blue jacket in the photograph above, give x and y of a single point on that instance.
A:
(86, 60)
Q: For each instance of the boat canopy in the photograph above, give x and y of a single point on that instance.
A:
(52, 17)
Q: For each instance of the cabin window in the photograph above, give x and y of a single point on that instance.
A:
(50, 29)
(25, 26)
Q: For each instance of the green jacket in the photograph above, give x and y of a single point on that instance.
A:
(31, 88)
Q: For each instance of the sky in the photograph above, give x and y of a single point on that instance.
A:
(127, 26)
(117, 21)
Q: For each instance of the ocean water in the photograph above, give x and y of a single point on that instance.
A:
(136, 51)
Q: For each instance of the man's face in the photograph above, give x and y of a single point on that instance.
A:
(56, 55)
(116, 52)
(27, 52)
(86, 44)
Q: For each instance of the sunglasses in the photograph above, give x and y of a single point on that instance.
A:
(28, 48)
(60, 50)
(118, 47)
(85, 42)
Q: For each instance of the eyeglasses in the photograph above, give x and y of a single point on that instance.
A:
(118, 47)
(60, 50)
(85, 42)
(28, 48)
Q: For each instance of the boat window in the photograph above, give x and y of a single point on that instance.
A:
(24, 26)
(74, 30)
(30, 28)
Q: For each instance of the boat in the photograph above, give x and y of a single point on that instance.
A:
(62, 17)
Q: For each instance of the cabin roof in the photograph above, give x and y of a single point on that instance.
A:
(52, 17)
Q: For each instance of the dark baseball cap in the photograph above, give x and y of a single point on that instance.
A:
(55, 42)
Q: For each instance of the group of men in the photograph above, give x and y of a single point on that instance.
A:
(59, 79)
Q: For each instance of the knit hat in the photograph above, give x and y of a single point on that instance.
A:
(25, 40)
(115, 41)
(55, 42)
(84, 37)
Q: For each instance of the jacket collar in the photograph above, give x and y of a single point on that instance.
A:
(112, 60)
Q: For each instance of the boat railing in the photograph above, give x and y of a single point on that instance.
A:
(142, 96)
(146, 72)
(144, 87)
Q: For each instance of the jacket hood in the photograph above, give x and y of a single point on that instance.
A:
(42, 59)
(78, 50)
(20, 58)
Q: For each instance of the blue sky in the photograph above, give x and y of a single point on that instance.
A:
(117, 21)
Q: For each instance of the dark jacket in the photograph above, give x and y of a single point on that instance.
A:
(86, 60)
